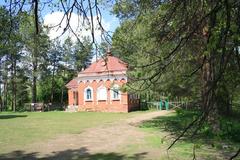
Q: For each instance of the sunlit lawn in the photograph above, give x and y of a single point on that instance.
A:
(17, 129)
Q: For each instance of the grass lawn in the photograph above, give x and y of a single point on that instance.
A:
(17, 129)
(20, 129)
(207, 145)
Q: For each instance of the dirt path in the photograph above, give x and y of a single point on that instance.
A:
(147, 116)
(102, 139)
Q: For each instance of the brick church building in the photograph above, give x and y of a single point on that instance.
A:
(98, 88)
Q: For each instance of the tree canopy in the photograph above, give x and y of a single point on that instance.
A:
(188, 49)
(33, 67)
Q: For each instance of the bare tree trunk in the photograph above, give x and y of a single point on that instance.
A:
(34, 84)
(209, 83)
(5, 100)
(52, 87)
(224, 100)
(1, 102)
(13, 79)
(62, 88)
(34, 72)
(1, 81)
(35, 54)
(208, 94)
(5, 85)
(62, 96)
(15, 87)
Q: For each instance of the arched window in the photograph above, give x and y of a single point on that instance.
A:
(102, 93)
(88, 94)
(115, 92)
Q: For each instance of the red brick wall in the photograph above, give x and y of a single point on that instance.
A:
(70, 97)
(109, 105)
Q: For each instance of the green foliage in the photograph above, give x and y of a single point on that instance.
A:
(173, 46)
(44, 90)
(230, 129)
(138, 47)
(34, 68)
(83, 54)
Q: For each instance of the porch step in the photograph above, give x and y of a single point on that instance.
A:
(72, 109)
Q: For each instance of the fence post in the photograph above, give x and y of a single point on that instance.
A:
(160, 105)
(167, 105)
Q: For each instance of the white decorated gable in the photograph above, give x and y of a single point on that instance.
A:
(103, 78)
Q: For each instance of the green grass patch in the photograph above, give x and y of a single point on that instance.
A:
(19, 129)
(208, 144)
(154, 141)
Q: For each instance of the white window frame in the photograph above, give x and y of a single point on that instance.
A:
(100, 96)
(112, 92)
(85, 94)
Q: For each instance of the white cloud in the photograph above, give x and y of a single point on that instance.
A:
(80, 27)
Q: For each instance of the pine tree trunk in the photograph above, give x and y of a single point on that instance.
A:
(52, 87)
(5, 85)
(5, 101)
(209, 84)
(62, 88)
(209, 105)
(34, 85)
(1, 102)
(34, 72)
(13, 77)
(1, 84)
(62, 96)
(15, 87)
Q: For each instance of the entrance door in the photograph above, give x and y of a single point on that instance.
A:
(75, 97)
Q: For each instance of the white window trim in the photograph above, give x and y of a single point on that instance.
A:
(100, 98)
(85, 94)
(112, 93)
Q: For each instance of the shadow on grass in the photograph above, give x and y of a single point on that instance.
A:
(12, 116)
(226, 141)
(77, 154)
(173, 123)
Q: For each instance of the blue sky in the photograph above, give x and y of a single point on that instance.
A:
(110, 22)
(109, 17)
(106, 15)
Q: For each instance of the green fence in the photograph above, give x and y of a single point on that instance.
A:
(163, 105)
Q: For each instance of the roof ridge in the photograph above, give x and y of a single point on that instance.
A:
(113, 63)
